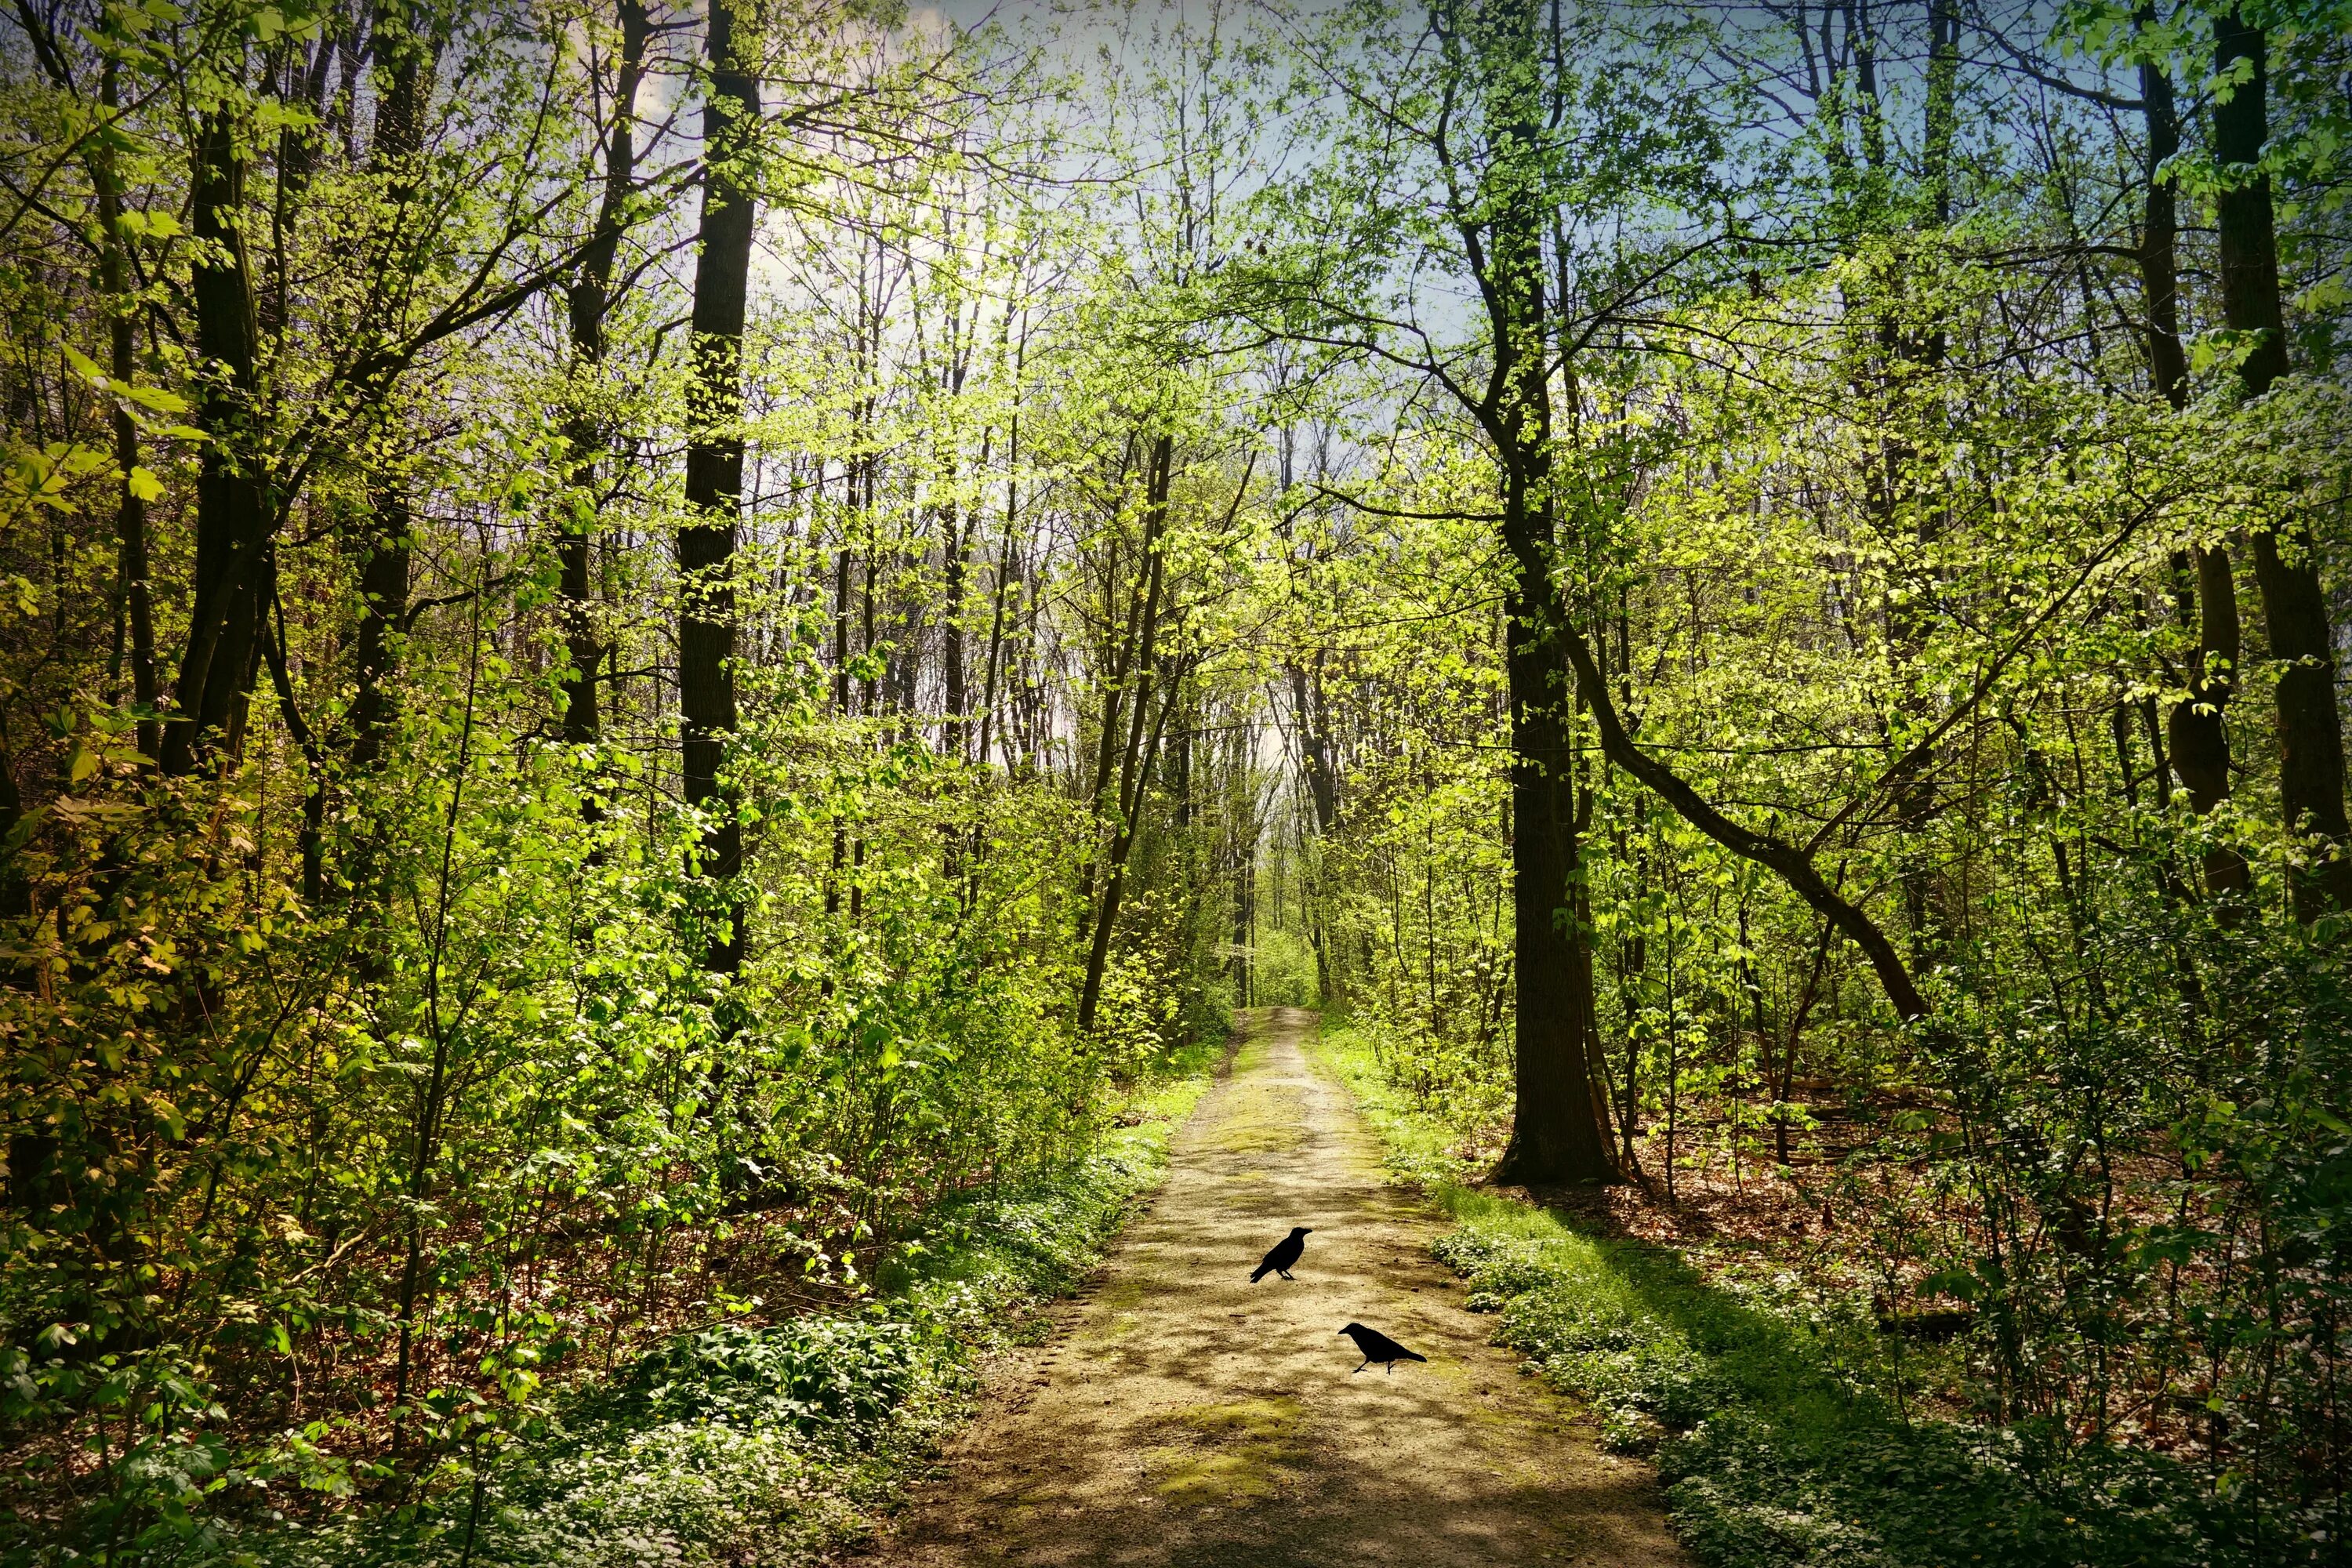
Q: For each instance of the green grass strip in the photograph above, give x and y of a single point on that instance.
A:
(1763, 1399)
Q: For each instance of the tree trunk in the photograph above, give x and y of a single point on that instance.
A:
(1943, 120)
(1318, 761)
(135, 596)
(956, 534)
(1557, 1131)
(2205, 594)
(588, 301)
(217, 666)
(714, 470)
(385, 564)
(1140, 671)
(2287, 572)
(1007, 564)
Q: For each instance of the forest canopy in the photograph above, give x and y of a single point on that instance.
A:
(655, 657)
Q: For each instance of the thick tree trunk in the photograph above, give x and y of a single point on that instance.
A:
(588, 300)
(1558, 1127)
(386, 542)
(1943, 118)
(2287, 572)
(384, 597)
(1557, 1131)
(2205, 594)
(219, 663)
(714, 470)
(2159, 269)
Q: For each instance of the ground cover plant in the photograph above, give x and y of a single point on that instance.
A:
(775, 1442)
(1789, 1424)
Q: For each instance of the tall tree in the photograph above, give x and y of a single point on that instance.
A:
(1129, 695)
(1557, 1131)
(218, 662)
(588, 300)
(407, 56)
(714, 464)
(2286, 571)
(2205, 591)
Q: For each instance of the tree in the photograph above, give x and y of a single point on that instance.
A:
(714, 466)
(2294, 605)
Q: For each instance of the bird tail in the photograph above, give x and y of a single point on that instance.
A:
(1260, 1272)
(1408, 1355)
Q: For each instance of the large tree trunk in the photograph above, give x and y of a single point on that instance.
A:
(588, 300)
(1557, 1130)
(222, 654)
(714, 470)
(386, 542)
(1943, 118)
(2205, 594)
(2295, 607)
(1557, 1133)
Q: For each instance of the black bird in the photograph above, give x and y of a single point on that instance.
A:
(1378, 1347)
(1286, 1253)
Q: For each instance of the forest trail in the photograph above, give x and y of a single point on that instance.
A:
(1181, 1415)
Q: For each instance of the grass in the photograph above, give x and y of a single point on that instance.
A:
(1769, 1402)
(770, 1445)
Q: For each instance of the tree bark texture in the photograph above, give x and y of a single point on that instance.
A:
(587, 301)
(2205, 592)
(2287, 572)
(1140, 670)
(387, 540)
(222, 653)
(1558, 1132)
(714, 470)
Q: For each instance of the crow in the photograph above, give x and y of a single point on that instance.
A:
(1378, 1347)
(1286, 1253)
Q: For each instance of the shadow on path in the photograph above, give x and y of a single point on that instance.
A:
(1186, 1416)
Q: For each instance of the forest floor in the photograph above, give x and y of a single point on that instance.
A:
(1182, 1415)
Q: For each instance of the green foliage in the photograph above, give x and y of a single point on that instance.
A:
(730, 1443)
(1774, 1406)
(812, 1372)
(1117, 620)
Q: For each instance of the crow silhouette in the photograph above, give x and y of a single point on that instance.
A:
(1286, 1253)
(1378, 1347)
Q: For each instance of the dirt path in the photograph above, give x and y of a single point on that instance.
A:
(1186, 1416)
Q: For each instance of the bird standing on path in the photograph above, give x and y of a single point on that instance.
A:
(1378, 1347)
(1286, 1253)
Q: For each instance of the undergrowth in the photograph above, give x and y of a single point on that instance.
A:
(765, 1445)
(1781, 1436)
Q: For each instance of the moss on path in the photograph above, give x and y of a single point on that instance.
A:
(1184, 1416)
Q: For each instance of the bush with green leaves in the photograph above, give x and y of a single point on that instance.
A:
(1786, 1423)
(740, 1443)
